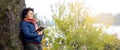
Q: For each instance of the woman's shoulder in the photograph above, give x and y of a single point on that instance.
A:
(25, 23)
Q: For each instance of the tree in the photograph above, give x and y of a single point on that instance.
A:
(74, 29)
(9, 24)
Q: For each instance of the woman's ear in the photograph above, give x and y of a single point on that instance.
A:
(26, 16)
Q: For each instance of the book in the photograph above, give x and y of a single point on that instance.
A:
(40, 28)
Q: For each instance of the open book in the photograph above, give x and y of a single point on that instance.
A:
(40, 29)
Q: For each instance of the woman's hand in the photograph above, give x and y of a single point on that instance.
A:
(40, 32)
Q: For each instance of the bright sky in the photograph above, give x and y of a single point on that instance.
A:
(42, 7)
(105, 6)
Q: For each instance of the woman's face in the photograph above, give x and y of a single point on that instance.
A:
(29, 14)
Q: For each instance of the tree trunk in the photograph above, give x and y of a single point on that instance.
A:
(10, 17)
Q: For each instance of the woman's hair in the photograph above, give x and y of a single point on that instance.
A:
(25, 12)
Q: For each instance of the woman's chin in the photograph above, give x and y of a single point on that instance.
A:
(30, 18)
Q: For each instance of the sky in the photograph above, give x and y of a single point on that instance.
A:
(104, 6)
(42, 7)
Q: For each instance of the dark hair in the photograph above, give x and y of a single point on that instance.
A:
(25, 11)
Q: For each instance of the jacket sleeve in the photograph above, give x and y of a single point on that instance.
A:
(26, 32)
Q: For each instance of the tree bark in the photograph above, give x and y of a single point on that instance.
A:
(10, 17)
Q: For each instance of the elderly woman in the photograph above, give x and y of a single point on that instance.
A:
(32, 38)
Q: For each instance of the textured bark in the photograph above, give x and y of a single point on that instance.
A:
(10, 16)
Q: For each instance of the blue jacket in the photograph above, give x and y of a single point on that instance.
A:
(28, 29)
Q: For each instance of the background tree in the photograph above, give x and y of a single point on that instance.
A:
(75, 30)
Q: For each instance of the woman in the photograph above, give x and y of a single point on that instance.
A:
(32, 38)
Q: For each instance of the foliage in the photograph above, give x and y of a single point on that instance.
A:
(74, 30)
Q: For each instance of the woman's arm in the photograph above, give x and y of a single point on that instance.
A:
(41, 33)
(25, 29)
